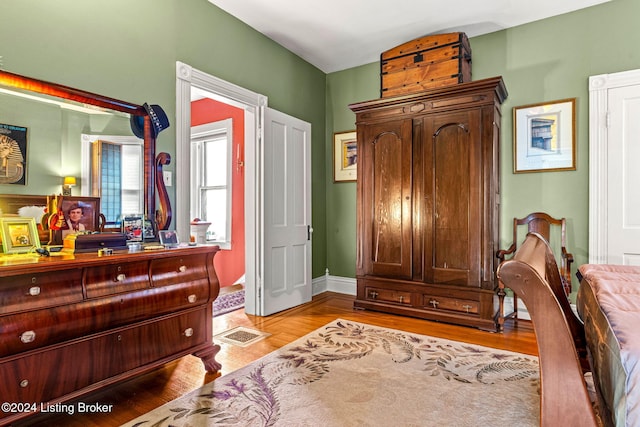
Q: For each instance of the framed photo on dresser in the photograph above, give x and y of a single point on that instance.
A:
(133, 228)
(81, 214)
(19, 235)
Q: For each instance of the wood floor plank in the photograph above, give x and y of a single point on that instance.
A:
(142, 394)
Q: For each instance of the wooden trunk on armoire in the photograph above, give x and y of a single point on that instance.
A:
(428, 203)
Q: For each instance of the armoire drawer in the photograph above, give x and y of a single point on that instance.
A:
(438, 302)
(388, 295)
(116, 278)
(39, 290)
(46, 375)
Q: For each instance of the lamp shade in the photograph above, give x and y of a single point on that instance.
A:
(70, 180)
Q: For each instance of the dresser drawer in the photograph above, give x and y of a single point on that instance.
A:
(40, 290)
(388, 295)
(117, 278)
(438, 302)
(184, 268)
(27, 331)
(50, 374)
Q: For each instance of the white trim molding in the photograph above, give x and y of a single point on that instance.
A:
(338, 284)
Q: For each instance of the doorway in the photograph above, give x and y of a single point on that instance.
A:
(614, 152)
(277, 270)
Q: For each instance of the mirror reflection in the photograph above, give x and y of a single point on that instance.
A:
(45, 139)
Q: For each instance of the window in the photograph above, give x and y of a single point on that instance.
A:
(115, 174)
(211, 153)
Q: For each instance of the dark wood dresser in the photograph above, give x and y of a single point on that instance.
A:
(428, 203)
(73, 324)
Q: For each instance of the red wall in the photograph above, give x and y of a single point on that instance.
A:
(229, 264)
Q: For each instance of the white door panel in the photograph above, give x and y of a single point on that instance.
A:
(623, 207)
(286, 212)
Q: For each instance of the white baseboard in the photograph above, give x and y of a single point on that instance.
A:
(341, 285)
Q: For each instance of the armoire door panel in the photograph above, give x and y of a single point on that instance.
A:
(452, 178)
(387, 184)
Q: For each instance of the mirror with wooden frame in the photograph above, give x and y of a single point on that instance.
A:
(52, 118)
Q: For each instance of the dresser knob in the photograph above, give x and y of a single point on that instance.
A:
(182, 268)
(120, 277)
(24, 383)
(373, 295)
(188, 332)
(28, 336)
(401, 298)
(34, 290)
(467, 307)
(192, 298)
(434, 303)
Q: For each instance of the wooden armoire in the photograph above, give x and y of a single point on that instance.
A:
(428, 198)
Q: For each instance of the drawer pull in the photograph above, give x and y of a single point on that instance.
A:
(24, 383)
(121, 277)
(28, 336)
(182, 268)
(373, 295)
(401, 298)
(434, 303)
(192, 298)
(467, 307)
(34, 290)
(188, 332)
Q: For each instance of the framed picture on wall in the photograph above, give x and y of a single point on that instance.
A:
(13, 154)
(544, 137)
(345, 156)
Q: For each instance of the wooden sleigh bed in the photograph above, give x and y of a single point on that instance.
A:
(533, 274)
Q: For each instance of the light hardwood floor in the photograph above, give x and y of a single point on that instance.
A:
(140, 395)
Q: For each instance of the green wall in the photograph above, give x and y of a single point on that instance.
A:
(542, 61)
(127, 50)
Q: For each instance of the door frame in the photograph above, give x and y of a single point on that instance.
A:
(599, 86)
(252, 103)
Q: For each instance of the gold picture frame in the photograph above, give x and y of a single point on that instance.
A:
(345, 156)
(544, 136)
(19, 235)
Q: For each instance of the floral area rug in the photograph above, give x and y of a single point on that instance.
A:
(353, 374)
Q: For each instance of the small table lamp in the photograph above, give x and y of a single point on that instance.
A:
(69, 181)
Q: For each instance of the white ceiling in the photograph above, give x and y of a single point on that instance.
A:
(335, 35)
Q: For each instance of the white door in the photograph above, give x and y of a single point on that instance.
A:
(614, 153)
(623, 205)
(286, 212)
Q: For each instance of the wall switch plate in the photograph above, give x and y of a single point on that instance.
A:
(166, 177)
